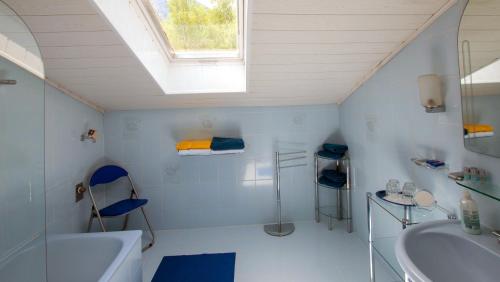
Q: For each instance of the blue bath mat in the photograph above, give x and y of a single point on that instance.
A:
(196, 268)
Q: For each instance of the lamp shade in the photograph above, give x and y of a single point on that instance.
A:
(430, 90)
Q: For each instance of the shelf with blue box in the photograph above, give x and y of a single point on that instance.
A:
(337, 179)
(472, 178)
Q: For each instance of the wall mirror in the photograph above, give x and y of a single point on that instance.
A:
(479, 57)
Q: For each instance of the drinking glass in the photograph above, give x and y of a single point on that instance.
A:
(409, 189)
(393, 187)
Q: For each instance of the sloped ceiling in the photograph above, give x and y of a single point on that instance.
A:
(479, 26)
(299, 52)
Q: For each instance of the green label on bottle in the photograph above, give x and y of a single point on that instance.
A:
(471, 219)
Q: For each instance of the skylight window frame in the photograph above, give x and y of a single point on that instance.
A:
(195, 56)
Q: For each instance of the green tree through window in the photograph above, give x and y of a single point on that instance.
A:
(199, 25)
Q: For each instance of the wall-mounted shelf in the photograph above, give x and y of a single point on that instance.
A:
(421, 163)
(210, 146)
(406, 215)
(487, 189)
(185, 153)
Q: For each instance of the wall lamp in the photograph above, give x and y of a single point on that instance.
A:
(431, 94)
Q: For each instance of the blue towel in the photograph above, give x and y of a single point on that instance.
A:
(221, 144)
(332, 184)
(330, 155)
(334, 175)
(335, 148)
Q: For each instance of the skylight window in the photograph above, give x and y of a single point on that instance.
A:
(200, 29)
(487, 74)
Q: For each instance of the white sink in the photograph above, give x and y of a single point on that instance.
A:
(440, 251)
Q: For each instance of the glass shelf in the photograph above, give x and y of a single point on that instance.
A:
(487, 189)
(417, 214)
(330, 211)
(385, 247)
(344, 188)
(421, 163)
(384, 232)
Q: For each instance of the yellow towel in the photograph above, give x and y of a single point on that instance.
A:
(193, 144)
(474, 128)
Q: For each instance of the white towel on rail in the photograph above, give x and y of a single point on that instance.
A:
(479, 135)
(195, 152)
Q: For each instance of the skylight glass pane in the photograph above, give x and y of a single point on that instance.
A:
(199, 28)
(487, 74)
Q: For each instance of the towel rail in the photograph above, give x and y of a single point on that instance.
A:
(292, 153)
(289, 166)
(282, 229)
(294, 158)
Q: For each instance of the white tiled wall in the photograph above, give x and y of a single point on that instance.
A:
(202, 191)
(385, 126)
(68, 160)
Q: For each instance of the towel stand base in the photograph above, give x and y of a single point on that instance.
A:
(279, 230)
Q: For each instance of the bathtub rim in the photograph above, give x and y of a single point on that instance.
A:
(128, 239)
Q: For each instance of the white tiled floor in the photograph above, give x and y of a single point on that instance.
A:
(311, 253)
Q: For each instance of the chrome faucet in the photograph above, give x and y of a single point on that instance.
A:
(496, 233)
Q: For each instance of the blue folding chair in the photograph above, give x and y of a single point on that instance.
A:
(108, 174)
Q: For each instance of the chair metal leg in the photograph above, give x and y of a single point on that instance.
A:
(125, 223)
(101, 223)
(150, 231)
(89, 226)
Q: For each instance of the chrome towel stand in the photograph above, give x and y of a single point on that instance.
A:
(281, 229)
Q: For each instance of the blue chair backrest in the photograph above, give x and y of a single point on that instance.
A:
(107, 174)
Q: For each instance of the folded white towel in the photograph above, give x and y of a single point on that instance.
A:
(479, 135)
(195, 152)
(225, 152)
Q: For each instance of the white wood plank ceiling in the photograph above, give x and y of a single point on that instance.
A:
(299, 52)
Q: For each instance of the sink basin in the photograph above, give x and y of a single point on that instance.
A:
(440, 251)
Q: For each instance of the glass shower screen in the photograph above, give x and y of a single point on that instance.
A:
(22, 192)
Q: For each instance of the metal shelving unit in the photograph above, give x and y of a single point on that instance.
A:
(334, 211)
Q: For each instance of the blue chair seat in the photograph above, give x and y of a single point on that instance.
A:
(122, 207)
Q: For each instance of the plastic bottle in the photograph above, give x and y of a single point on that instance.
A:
(470, 214)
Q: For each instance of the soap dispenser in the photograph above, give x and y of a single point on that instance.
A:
(470, 214)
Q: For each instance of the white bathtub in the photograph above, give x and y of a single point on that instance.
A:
(86, 257)
(103, 257)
